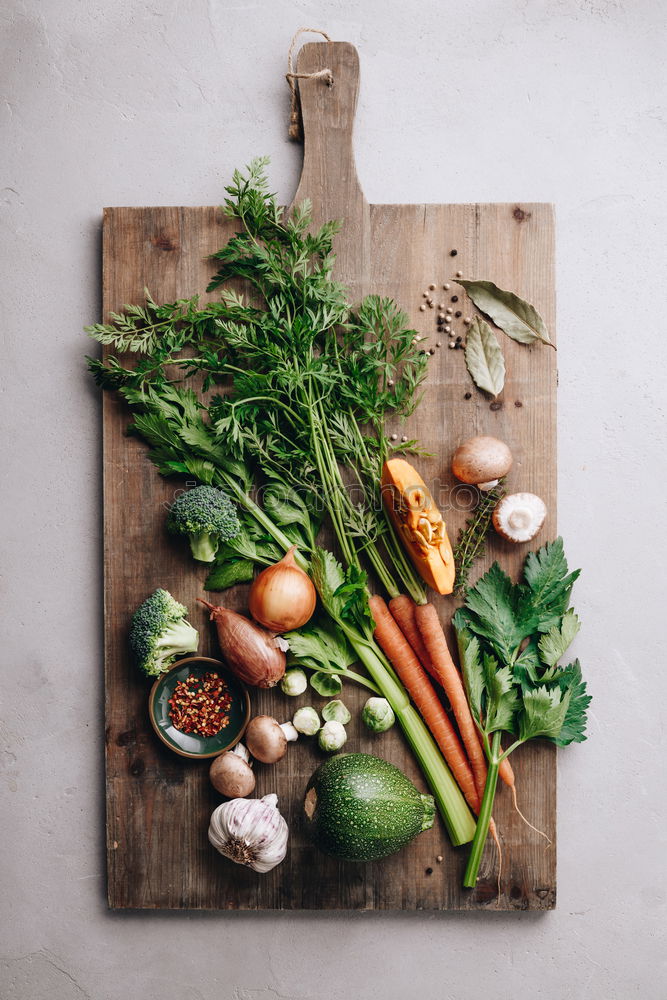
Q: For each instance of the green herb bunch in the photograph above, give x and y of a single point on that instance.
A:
(308, 381)
(511, 637)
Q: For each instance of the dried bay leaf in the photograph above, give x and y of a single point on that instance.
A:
(484, 357)
(515, 317)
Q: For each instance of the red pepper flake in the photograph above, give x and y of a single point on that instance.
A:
(200, 705)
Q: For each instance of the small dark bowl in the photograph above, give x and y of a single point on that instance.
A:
(189, 744)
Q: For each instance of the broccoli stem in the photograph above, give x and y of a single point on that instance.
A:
(204, 546)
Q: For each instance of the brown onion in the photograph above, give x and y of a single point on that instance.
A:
(282, 597)
(250, 651)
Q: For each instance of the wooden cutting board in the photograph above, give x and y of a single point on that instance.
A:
(158, 805)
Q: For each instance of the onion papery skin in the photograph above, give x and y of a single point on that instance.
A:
(249, 650)
(282, 597)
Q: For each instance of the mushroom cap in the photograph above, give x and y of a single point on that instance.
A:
(265, 739)
(519, 516)
(481, 460)
(232, 776)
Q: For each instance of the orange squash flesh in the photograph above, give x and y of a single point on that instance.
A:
(419, 524)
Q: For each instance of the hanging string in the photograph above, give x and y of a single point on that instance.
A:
(295, 121)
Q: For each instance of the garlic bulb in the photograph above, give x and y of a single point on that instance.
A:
(250, 832)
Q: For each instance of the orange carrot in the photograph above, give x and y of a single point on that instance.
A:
(431, 631)
(407, 666)
(403, 611)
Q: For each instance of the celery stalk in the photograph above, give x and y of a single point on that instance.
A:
(447, 794)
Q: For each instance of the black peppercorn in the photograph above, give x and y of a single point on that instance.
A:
(458, 314)
(453, 253)
(468, 395)
(454, 298)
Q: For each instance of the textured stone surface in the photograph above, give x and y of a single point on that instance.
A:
(155, 103)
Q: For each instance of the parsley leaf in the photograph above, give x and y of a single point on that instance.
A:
(502, 698)
(471, 667)
(569, 680)
(557, 640)
(546, 573)
(543, 713)
(511, 636)
(322, 645)
(501, 612)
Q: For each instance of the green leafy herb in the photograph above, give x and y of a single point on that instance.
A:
(484, 358)
(516, 317)
(229, 573)
(309, 380)
(558, 639)
(323, 647)
(510, 637)
(472, 538)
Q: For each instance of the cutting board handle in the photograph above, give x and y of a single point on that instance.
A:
(329, 175)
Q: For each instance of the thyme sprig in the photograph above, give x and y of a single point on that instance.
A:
(471, 543)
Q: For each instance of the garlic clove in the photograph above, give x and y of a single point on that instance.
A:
(519, 516)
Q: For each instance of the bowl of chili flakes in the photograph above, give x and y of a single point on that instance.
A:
(198, 708)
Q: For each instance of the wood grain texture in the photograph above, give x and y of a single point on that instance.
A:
(158, 804)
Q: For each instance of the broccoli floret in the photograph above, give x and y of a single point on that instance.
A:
(159, 633)
(207, 516)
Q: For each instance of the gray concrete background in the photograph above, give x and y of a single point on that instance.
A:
(140, 103)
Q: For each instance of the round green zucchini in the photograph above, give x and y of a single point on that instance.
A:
(362, 808)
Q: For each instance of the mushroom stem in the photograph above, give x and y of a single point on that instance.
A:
(290, 732)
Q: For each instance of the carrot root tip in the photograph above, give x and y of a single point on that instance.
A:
(527, 822)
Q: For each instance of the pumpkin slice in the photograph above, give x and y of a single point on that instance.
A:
(419, 524)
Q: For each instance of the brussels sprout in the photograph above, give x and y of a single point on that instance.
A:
(294, 682)
(336, 711)
(306, 721)
(326, 683)
(378, 715)
(332, 736)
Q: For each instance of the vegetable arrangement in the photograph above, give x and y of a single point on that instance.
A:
(312, 382)
(303, 384)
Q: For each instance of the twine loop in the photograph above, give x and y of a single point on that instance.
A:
(295, 120)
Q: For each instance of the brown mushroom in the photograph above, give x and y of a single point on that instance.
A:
(231, 774)
(519, 516)
(267, 740)
(481, 461)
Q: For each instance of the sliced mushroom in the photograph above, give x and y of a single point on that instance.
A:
(482, 461)
(519, 516)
